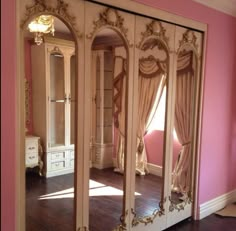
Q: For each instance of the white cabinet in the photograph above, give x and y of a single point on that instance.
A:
(53, 84)
(102, 94)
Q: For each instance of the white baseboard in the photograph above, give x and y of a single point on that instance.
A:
(216, 204)
(155, 169)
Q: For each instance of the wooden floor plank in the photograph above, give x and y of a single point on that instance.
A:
(57, 214)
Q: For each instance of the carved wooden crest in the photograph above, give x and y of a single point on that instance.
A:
(61, 9)
(112, 18)
(189, 37)
(154, 28)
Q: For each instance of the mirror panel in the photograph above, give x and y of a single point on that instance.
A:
(50, 71)
(184, 110)
(153, 61)
(106, 186)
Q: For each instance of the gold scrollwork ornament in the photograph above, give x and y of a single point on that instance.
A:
(149, 219)
(122, 226)
(27, 103)
(189, 37)
(110, 17)
(180, 206)
(154, 28)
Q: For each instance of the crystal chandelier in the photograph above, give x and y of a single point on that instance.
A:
(43, 24)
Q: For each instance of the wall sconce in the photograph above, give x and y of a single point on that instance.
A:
(43, 24)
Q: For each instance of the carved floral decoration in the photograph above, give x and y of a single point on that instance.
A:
(180, 206)
(112, 18)
(149, 219)
(61, 9)
(154, 28)
(189, 37)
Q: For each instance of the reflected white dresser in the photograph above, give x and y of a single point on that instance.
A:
(33, 153)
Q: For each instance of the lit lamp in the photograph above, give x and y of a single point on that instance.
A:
(43, 24)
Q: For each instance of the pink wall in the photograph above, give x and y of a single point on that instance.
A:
(218, 143)
(8, 82)
(154, 147)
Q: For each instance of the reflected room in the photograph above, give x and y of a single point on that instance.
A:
(50, 82)
(107, 146)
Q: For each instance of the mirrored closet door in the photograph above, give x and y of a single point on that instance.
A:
(109, 34)
(153, 63)
(113, 104)
(50, 105)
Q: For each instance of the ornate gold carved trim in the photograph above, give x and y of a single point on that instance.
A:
(122, 226)
(180, 206)
(61, 9)
(149, 219)
(112, 18)
(27, 103)
(154, 28)
(189, 37)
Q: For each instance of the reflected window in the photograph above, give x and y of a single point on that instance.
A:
(157, 117)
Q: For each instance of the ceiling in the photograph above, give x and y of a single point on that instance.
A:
(225, 6)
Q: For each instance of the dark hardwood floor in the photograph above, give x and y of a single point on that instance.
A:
(210, 223)
(54, 214)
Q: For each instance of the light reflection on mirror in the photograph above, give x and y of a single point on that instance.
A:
(153, 63)
(55, 137)
(95, 189)
(108, 102)
(183, 125)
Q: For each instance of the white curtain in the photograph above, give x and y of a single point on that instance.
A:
(181, 180)
(151, 82)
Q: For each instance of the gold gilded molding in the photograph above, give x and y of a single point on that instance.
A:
(122, 226)
(110, 17)
(61, 9)
(189, 38)
(154, 28)
(27, 103)
(149, 219)
(179, 206)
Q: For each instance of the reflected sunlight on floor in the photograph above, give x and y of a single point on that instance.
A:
(95, 189)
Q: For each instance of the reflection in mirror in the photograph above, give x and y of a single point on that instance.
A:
(56, 94)
(183, 125)
(108, 101)
(153, 65)
(50, 125)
